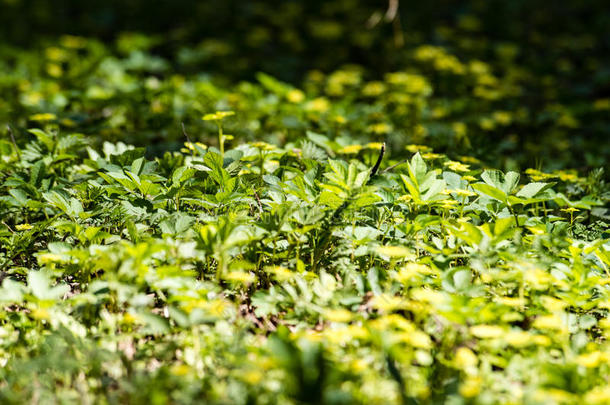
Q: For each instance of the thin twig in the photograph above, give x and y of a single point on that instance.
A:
(258, 200)
(395, 165)
(185, 134)
(373, 20)
(10, 133)
(379, 159)
(390, 14)
(9, 228)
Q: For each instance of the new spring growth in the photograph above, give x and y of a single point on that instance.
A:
(217, 117)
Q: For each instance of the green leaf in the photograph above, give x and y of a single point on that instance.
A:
(490, 191)
(532, 189)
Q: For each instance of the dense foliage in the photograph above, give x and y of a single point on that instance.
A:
(427, 226)
(516, 83)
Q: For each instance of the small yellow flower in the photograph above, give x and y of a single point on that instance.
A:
(567, 176)
(428, 295)
(339, 119)
(511, 301)
(295, 96)
(464, 193)
(487, 331)
(487, 123)
(373, 89)
(56, 54)
(553, 304)
(410, 83)
(465, 358)
(598, 396)
(470, 159)
(217, 116)
(319, 105)
(379, 128)
(448, 204)
(263, 146)
(537, 175)
(350, 149)
(374, 145)
(54, 70)
(241, 277)
(549, 322)
(194, 146)
(471, 387)
(518, 338)
(43, 117)
(541, 340)
(67, 122)
(181, 370)
(338, 315)
(40, 313)
(412, 271)
(418, 148)
(602, 104)
(502, 117)
(74, 42)
(590, 360)
(280, 273)
(395, 251)
(431, 156)
(460, 129)
(457, 166)
(419, 339)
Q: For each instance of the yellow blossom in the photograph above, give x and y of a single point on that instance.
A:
(553, 304)
(602, 104)
(295, 96)
(431, 156)
(373, 89)
(74, 42)
(518, 338)
(549, 322)
(217, 116)
(388, 303)
(465, 358)
(241, 277)
(599, 395)
(395, 251)
(280, 273)
(502, 117)
(43, 117)
(487, 331)
(263, 146)
(457, 166)
(339, 119)
(379, 128)
(319, 105)
(338, 315)
(418, 148)
(471, 387)
(374, 145)
(350, 149)
(591, 360)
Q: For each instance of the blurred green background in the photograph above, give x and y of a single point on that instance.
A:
(528, 80)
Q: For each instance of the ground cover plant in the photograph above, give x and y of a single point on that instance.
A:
(427, 228)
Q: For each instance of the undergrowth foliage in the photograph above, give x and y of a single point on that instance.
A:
(319, 271)
(209, 202)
